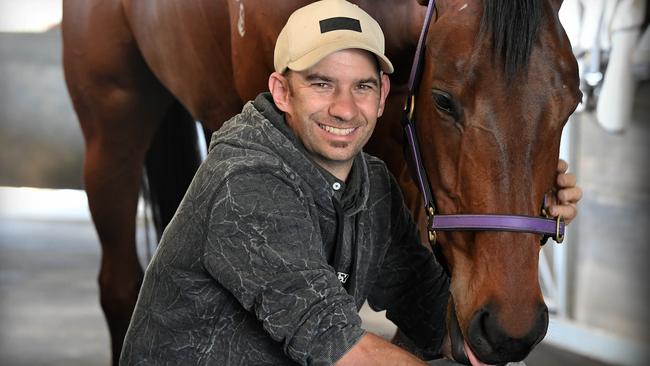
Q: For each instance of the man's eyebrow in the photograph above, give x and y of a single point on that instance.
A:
(318, 77)
(321, 77)
(372, 81)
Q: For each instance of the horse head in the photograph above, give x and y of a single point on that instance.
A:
(498, 84)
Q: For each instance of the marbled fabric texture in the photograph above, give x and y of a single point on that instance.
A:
(243, 273)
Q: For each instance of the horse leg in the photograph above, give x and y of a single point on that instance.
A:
(119, 105)
(112, 199)
(112, 174)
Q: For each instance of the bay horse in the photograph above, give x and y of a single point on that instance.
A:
(497, 85)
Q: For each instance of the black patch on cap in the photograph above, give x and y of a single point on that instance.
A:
(340, 23)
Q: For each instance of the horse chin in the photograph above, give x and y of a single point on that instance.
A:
(458, 344)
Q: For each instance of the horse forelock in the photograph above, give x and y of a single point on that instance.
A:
(513, 27)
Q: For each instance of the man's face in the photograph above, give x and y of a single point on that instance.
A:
(333, 107)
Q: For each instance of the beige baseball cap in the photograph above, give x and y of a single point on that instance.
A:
(321, 28)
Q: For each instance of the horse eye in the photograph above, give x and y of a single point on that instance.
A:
(444, 103)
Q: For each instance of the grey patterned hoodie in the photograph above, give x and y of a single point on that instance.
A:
(244, 273)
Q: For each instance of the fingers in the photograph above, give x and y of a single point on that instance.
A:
(567, 211)
(562, 166)
(566, 180)
(569, 195)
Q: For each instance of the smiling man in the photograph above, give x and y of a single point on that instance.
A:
(332, 107)
(288, 227)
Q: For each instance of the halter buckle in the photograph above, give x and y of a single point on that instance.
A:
(409, 107)
(432, 233)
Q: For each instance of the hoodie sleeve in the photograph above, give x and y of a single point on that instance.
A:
(412, 286)
(264, 246)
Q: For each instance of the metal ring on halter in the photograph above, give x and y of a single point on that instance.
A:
(432, 233)
(409, 107)
(432, 237)
(558, 238)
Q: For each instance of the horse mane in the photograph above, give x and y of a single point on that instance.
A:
(513, 25)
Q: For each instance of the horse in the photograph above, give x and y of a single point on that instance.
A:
(497, 84)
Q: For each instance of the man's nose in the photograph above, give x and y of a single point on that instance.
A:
(343, 106)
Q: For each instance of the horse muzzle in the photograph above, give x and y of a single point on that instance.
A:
(488, 343)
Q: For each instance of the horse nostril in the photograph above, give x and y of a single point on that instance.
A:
(478, 333)
(492, 344)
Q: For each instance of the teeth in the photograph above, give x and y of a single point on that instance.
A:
(337, 131)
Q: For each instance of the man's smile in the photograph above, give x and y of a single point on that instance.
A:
(337, 131)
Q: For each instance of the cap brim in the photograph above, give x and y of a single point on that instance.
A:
(312, 57)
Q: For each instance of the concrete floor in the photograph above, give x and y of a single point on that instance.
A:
(49, 308)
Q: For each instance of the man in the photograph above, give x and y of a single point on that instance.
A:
(288, 228)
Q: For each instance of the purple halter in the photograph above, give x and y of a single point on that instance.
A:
(548, 227)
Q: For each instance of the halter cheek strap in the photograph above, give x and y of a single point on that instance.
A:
(545, 226)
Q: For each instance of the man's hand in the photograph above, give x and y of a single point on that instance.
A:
(567, 196)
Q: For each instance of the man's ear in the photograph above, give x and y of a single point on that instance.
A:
(279, 88)
(385, 88)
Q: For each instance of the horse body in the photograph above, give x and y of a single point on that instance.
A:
(132, 65)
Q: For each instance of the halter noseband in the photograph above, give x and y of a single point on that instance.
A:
(548, 227)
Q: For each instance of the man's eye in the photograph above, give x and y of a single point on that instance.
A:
(365, 87)
(321, 85)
